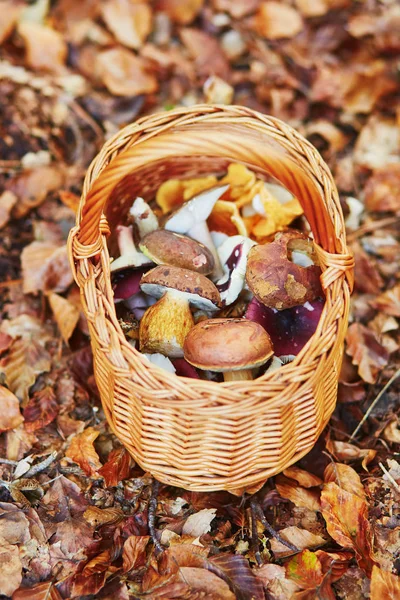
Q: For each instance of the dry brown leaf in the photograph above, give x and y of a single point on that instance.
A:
(117, 467)
(125, 74)
(10, 568)
(129, 21)
(347, 451)
(206, 584)
(391, 433)
(366, 351)
(19, 442)
(301, 538)
(45, 267)
(318, 8)
(25, 360)
(199, 523)
(275, 581)
(384, 585)
(180, 12)
(45, 48)
(70, 200)
(388, 302)
(304, 478)
(307, 498)
(207, 53)
(40, 591)
(237, 8)
(10, 415)
(367, 279)
(275, 20)
(5, 342)
(10, 11)
(346, 478)
(7, 201)
(382, 192)
(328, 131)
(378, 143)
(41, 409)
(14, 526)
(66, 315)
(133, 553)
(32, 187)
(96, 517)
(346, 517)
(82, 452)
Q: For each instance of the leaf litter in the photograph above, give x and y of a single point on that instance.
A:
(73, 504)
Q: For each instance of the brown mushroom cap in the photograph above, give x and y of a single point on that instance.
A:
(169, 248)
(227, 345)
(275, 280)
(198, 290)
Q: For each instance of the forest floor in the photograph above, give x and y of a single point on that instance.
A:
(73, 505)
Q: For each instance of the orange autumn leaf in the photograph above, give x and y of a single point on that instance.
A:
(305, 569)
(134, 552)
(82, 452)
(346, 517)
(40, 591)
(382, 192)
(7, 202)
(345, 477)
(366, 351)
(10, 415)
(25, 360)
(45, 48)
(289, 489)
(129, 21)
(303, 478)
(65, 313)
(45, 267)
(117, 467)
(347, 451)
(276, 20)
(388, 302)
(33, 185)
(125, 74)
(180, 12)
(384, 585)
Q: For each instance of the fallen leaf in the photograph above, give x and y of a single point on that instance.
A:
(82, 452)
(307, 498)
(305, 570)
(378, 143)
(33, 186)
(93, 577)
(237, 8)
(45, 48)
(117, 467)
(70, 200)
(275, 20)
(7, 202)
(45, 267)
(318, 8)
(366, 351)
(384, 585)
(134, 552)
(42, 409)
(304, 478)
(204, 583)
(382, 192)
(367, 279)
(125, 74)
(11, 10)
(199, 523)
(10, 568)
(25, 360)
(346, 478)
(388, 302)
(5, 342)
(130, 21)
(275, 581)
(40, 591)
(19, 442)
(346, 451)
(346, 517)
(65, 313)
(334, 564)
(14, 526)
(10, 415)
(180, 12)
(301, 538)
(207, 53)
(391, 433)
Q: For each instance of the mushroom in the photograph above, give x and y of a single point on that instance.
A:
(275, 280)
(143, 217)
(191, 219)
(127, 290)
(289, 329)
(168, 248)
(129, 255)
(233, 256)
(230, 346)
(165, 325)
(161, 361)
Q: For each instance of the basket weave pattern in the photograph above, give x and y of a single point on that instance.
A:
(192, 433)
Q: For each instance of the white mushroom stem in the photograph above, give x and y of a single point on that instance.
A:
(201, 233)
(144, 217)
(129, 255)
(159, 360)
(241, 375)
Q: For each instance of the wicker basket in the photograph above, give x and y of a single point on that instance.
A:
(197, 434)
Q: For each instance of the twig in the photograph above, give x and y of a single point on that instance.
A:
(390, 477)
(374, 403)
(373, 226)
(151, 518)
(259, 512)
(254, 534)
(8, 462)
(39, 467)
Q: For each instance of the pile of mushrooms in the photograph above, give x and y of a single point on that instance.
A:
(200, 297)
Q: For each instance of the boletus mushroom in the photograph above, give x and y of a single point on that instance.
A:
(129, 255)
(168, 248)
(191, 219)
(230, 346)
(275, 279)
(165, 325)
